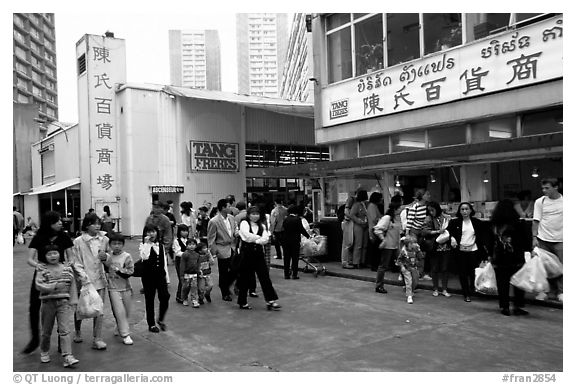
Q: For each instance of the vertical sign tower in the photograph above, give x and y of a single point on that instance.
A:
(101, 65)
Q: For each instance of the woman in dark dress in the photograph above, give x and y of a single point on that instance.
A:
(49, 233)
(512, 238)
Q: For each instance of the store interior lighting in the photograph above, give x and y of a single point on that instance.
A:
(432, 176)
(485, 178)
(397, 179)
(535, 173)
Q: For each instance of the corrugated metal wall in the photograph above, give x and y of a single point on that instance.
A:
(268, 127)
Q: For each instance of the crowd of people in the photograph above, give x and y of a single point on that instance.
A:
(419, 239)
(423, 242)
(236, 237)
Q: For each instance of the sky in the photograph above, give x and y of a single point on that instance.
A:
(146, 37)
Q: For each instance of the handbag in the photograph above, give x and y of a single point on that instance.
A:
(443, 237)
(138, 269)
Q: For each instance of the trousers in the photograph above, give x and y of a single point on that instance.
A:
(121, 302)
(62, 312)
(151, 286)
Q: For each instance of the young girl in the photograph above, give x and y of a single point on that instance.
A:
(119, 267)
(154, 277)
(205, 260)
(56, 285)
(408, 263)
(90, 249)
(189, 267)
(179, 248)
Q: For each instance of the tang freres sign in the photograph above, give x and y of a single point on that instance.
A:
(512, 59)
(214, 156)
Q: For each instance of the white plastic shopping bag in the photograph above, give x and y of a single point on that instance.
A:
(551, 263)
(485, 280)
(90, 304)
(531, 277)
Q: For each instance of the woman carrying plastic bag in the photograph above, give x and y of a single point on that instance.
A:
(485, 281)
(512, 239)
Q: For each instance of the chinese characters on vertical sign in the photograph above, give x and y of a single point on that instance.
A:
(105, 68)
(512, 59)
(104, 127)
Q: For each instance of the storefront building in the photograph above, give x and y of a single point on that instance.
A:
(468, 106)
(137, 143)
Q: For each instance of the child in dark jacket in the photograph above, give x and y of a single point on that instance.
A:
(189, 268)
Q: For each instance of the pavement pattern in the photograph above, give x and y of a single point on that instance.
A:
(327, 324)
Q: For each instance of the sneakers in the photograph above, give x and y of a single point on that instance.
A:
(127, 340)
(435, 293)
(44, 357)
(185, 303)
(446, 294)
(78, 337)
(69, 360)
(541, 296)
(426, 277)
(381, 290)
(195, 304)
(99, 345)
(409, 299)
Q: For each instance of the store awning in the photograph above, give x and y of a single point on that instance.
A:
(52, 187)
(494, 151)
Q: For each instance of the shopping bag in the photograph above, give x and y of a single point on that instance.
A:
(308, 248)
(20, 239)
(485, 281)
(531, 277)
(322, 242)
(551, 263)
(90, 304)
(443, 237)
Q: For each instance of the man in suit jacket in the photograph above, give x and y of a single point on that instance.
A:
(222, 232)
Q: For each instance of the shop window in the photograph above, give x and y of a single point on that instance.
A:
(374, 146)
(339, 55)
(409, 141)
(403, 37)
(346, 150)
(487, 131)
(543, 122)
(336, 20)
(446, 136)
(480, 25)
(441, 31)
(368, 44)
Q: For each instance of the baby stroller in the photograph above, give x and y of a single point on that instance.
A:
(310, 250)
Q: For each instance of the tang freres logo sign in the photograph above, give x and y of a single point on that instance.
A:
(214, 156)
(338, 109)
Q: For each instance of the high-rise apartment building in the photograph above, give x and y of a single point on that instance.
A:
(295, 82)
(262, 40)
(195, 59)
(34, 63)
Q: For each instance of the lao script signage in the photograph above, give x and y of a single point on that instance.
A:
(214, 156)
(513, 59)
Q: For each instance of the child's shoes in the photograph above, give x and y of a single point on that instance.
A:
(44, 357)
(410, 300)
(70, 360)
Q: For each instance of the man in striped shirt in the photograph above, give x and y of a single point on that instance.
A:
(415, 220)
